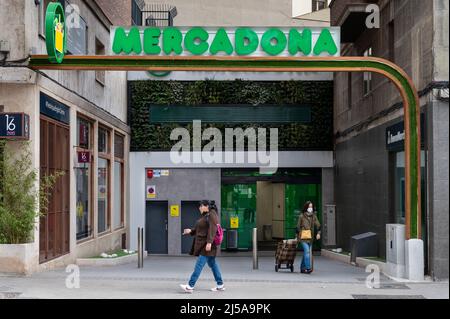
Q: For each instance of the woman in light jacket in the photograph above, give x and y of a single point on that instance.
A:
(307, 221)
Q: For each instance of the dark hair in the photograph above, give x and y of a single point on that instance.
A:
(212, 205)
(305, 207)
(204, 203)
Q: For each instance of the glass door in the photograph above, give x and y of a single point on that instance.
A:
(239, 212)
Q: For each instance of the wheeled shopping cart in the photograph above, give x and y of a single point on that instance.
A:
(285, 255)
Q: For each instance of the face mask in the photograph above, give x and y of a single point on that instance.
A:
(310, 210)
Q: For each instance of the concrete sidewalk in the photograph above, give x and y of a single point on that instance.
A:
(161, 276)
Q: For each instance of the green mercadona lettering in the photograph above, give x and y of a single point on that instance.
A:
(197, 41)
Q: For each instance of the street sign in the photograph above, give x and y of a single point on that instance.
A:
(234, 222)
(84, 157)
(54, 109)
(14, 126)
(151, 191)
(174, 210)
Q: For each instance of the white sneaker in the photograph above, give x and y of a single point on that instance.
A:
(218, 288)
(187, 289)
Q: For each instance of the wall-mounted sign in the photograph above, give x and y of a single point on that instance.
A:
(15, 126)
(174, 210)
(151, 191)
(234, 222)
(165, 172)
(226, 41)
(54, 109)
(395, 135)
(55, 32)
(84, 157)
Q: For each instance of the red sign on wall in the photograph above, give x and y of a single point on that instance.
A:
(84, 157)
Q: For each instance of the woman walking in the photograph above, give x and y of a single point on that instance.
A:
(204, 231)
(305, 226)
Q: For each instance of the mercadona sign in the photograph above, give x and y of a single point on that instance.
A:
(240, 41)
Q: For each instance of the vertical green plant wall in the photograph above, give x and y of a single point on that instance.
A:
(317, 135)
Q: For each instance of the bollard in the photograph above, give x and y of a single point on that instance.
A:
(142, 247)
(255, 248)
(139, 246)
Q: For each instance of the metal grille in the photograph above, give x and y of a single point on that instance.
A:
(158, 15)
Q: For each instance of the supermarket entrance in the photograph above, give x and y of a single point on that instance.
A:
(271, 203)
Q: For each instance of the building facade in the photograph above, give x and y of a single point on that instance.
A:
(77, 126)
(369, 128)
(165, 194)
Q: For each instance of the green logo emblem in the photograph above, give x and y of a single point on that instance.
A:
(55, 32)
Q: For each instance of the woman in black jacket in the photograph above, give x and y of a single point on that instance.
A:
(204, 231)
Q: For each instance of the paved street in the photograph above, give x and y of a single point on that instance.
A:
(161, 276)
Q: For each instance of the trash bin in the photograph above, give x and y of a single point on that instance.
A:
(232, 239)
(364, 245)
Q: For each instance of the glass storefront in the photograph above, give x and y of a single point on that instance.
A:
(295, 196)
(103, 177)
(278, 197)
(399, 186)
(239, 212)
(83, 182)
(118, 216)
(119, 153)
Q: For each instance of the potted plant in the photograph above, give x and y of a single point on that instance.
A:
(21, 203)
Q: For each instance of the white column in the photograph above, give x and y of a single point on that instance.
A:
(414, 259)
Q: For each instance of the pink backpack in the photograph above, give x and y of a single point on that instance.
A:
(218, 238)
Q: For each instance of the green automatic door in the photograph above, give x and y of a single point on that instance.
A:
(239, 212)
(296, 196)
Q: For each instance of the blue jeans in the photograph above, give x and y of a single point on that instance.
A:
(306, 260)
(201, 261)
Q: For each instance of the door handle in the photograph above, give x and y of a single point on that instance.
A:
(166, 225)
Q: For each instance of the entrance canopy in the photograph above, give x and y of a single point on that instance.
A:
(243, 50)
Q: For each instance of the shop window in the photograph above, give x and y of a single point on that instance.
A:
(103, 136)
(118, 219)
(83, 178)
(103, 178)
(367, 76)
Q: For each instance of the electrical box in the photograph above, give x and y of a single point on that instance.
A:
(395, 250)
(329, 226)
